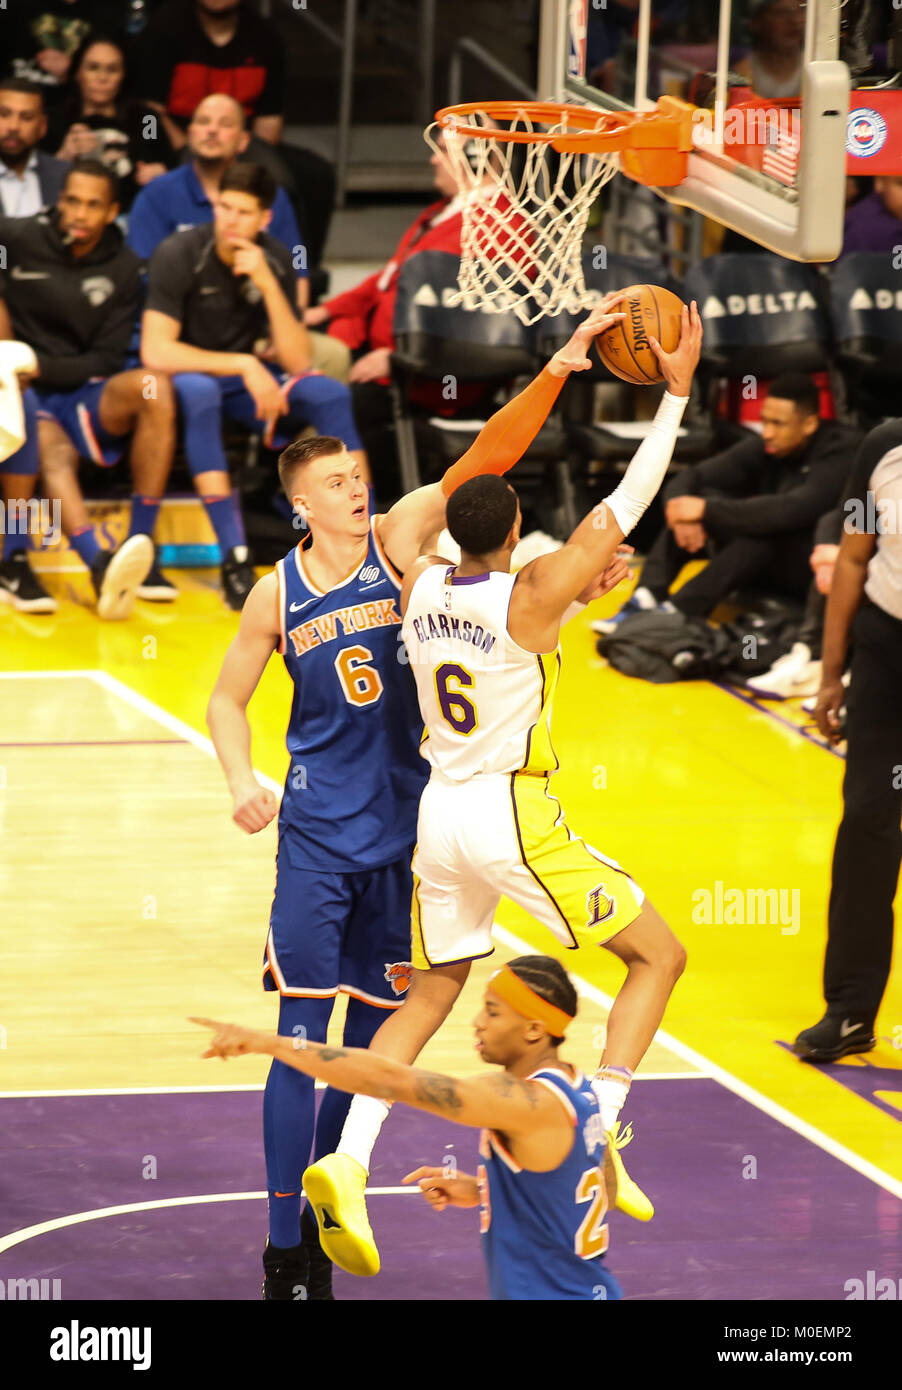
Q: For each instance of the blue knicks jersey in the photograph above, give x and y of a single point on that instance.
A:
(355, 778)
(543, 1234)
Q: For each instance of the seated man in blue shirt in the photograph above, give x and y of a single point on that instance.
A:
(221, 317)
(217, 137)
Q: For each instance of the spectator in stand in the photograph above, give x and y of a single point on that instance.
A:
(29, 179)
(777, 38)
(188, 51)
(874, 223)
(222, 318)
(363, 318)
(41, 36)
(798, 673)
(217, 138)
(752, 508)
(94, 117)
(71, 290)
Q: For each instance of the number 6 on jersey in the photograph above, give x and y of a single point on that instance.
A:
(458, 711)
(361, 684)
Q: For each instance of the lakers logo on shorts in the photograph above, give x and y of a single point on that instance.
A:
(599, 906)
(398, 976)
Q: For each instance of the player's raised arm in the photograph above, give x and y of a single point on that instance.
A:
(501, 442)
(500, 1102)
(547, 586)
(257, 638)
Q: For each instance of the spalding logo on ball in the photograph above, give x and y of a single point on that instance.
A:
(625, 349)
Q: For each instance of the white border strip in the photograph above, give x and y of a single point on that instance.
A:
(697, 1059)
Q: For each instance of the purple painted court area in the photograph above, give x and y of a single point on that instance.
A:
(799, 1229)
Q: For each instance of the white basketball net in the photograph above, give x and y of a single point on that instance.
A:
(524, 216)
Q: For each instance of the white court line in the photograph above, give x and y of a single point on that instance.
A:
(140, 1091)
(47, 675)
(697, 1059)
(126, 1091)
(733, 1083)
(76, 1218)
(258, 1086)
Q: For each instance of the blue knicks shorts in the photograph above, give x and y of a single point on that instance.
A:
(78, 412)
(342, 932)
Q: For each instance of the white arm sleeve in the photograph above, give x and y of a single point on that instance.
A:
(650, 462)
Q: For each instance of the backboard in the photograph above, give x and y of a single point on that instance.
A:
(773, 102)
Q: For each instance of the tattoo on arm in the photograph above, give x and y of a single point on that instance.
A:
(510, 1086)
(438, 1090)
(332, 1054)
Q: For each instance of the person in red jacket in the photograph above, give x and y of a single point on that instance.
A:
(363, 318)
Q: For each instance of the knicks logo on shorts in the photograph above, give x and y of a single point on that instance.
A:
(599, 906)
(398, 976)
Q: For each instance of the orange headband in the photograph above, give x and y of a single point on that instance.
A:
(525, 1001)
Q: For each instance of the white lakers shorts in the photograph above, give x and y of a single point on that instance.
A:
(505, 835)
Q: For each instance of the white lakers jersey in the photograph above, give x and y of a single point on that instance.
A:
(486, 702)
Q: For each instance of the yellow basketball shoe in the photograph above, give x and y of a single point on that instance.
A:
(623, 1192)
(335, 1188)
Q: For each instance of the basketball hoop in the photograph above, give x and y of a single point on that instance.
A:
(524, 215)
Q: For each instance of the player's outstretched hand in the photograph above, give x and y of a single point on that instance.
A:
(574, 355)
(679, 366)
(254, 807)
(616, 570)
(229, 1039)
(443, 1189)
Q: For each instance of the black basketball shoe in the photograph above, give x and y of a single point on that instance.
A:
(155, 587)
(319, 1284)
(238, 577)
(834, 1037)
(20, 586)
(285, 1273)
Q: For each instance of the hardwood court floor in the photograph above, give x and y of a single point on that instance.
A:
(131, 900)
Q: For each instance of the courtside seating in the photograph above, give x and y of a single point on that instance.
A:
(866, 312)
(451, 345)
(763, 315)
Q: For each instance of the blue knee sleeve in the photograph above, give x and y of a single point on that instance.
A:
(326, 405)
(200, 403)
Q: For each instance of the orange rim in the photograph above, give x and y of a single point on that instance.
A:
(655, 144)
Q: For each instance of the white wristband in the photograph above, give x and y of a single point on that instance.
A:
(573, 612)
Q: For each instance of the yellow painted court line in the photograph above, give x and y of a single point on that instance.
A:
(697, 1059)
(76, 1218)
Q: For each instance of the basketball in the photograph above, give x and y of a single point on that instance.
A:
(625, 349)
